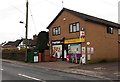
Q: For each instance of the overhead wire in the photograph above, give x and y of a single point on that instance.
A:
(16, 8)
(19, 10)
(32, 19)
(51, 2)
(32, 13)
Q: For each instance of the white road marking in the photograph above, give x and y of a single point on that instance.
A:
(30, 77)
(1, 69)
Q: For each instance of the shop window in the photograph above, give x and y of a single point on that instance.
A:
(119, 32)
(110, 30)
(74, 49)
(56, 31)
(57, 51)
(74, 27)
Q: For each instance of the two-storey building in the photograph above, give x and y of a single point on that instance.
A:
(83, 36)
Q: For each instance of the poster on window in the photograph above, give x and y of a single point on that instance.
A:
(92, 50)
(83, 50)
(57, 51)
(88, 50)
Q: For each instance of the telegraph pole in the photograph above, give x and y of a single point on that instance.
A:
(26, 33)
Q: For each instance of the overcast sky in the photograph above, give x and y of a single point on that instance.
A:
(42, 12)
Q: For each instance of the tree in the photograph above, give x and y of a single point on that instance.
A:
(42, 41)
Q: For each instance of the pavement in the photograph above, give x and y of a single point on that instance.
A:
(105, 71)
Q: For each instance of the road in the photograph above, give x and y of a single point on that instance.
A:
(12, 71)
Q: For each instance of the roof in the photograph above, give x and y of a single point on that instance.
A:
(32, 42)
(87, 18)
(13, 43)
(17, 42)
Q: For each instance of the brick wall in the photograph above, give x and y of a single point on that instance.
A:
(119, 48)
(14, 55)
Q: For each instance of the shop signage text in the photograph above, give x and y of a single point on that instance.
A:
(77, 40)
(57, 42)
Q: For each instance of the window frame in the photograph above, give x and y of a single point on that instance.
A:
(56, 31)
(73, 27)
(119, 32)
(110, 30)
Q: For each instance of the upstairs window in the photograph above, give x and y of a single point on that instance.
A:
(110, 30)
(74, 27)
(56, 31)
(118, 31)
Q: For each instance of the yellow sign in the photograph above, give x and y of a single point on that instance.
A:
(77, 40)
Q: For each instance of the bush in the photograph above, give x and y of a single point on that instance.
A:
(42, 41)
(22, 49)
(9, 50)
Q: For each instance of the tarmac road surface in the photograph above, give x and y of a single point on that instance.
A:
(12, 71)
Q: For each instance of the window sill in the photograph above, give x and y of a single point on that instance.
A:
(73, 32)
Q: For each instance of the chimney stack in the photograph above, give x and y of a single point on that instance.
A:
(35, 37)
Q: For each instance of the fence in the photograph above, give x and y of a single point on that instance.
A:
(20, 55)
(14, 55)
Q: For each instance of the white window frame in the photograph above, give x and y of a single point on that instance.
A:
(56, 31)
(110, 30)
(74, 27)
(118, 31)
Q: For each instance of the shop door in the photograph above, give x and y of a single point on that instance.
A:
(65, 50)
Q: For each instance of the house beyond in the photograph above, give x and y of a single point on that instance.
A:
(76, 34)
(20, 43)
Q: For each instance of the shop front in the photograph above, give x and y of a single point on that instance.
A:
(68, 47)
(74, 48)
